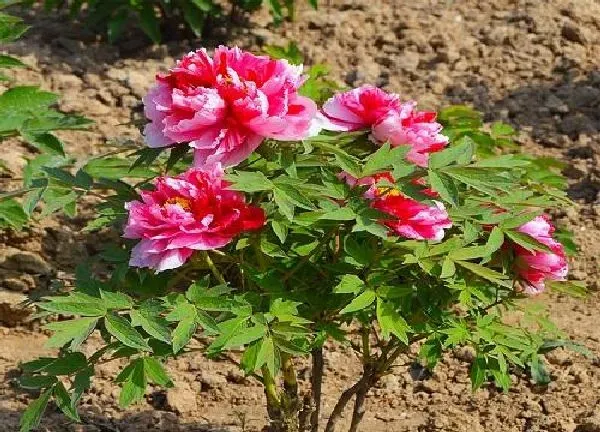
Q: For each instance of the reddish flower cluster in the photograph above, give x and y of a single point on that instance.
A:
(534, 268)
(389, 119)
(225, 105)
(411, 219)
(194, 211)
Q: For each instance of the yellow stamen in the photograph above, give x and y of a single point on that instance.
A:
(181, 202)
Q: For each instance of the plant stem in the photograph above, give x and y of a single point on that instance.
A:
(316, 381)
(213, 268)
(336, 414)
(359, 408)
(273, 401)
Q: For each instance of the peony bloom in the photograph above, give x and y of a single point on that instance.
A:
(410, 218)
(535, 267)
(193, 211)
(415, 128)
(225, 105)
(358, 108)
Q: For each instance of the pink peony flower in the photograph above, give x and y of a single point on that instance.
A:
(535, 267)
(415, 128)
(358, 108)
(225, 105)
(411, 219)
(193, 211)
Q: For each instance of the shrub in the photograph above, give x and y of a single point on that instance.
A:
(156, 17)
(273, 226)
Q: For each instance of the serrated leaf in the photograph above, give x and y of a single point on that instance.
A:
(384, 157)
(339, 214)
(486, 273)
(363, 301)
(63, 401)
(245, 336)
(391, 322)
(527, 242)
(495, 240)
(448, 268)
(444, 186)
(74, 331)
(183, 333)
(349, 284)
(478, 372)
(116, 300)
(124, 332)
(12, 214)
(134, 383)
(249, 181)
(33, 414)
(156, 373)
(154, 325)
(461, 152)
(76, 303)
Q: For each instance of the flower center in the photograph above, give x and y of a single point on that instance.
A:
(386, 191)
(181, 202)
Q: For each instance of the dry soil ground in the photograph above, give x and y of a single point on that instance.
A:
(533, 63)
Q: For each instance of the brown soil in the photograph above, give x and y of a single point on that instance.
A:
(533, 63)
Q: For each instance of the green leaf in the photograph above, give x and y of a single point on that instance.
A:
(12, 214)
(114, 168)
(122, 329)
(245, 336)
(64, 402)
(280, 230)
(186, 327)
(284, 204)
(469, 253)
(116, 300)
(74, 331)
(349, 284)
(33, 414)
(268, 355)
(154, 325)
(339, 214)
(116, 25)
(249, 181)
(363, 301)
(486, 273)
(149, 22)
(134, 383)
(384, 157)
(502, 129)
(391, 322)
(444, 186)
(448, 268)
(156, 373)
(228, 330)
(575, 289)
(76, 303)
(35, 382)
(539, 374)
(45, 142)
(8, 62)
(527, 242)
(461, 152)
(11, 28)
(495, 240)
(478, 372)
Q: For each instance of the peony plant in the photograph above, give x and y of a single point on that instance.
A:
(272, 218)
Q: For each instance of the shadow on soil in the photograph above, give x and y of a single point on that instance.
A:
(564, 114)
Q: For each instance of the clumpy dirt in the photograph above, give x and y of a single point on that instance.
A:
(532, 63)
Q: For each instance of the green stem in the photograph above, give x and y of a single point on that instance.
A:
(366, 346)
(213, 268)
